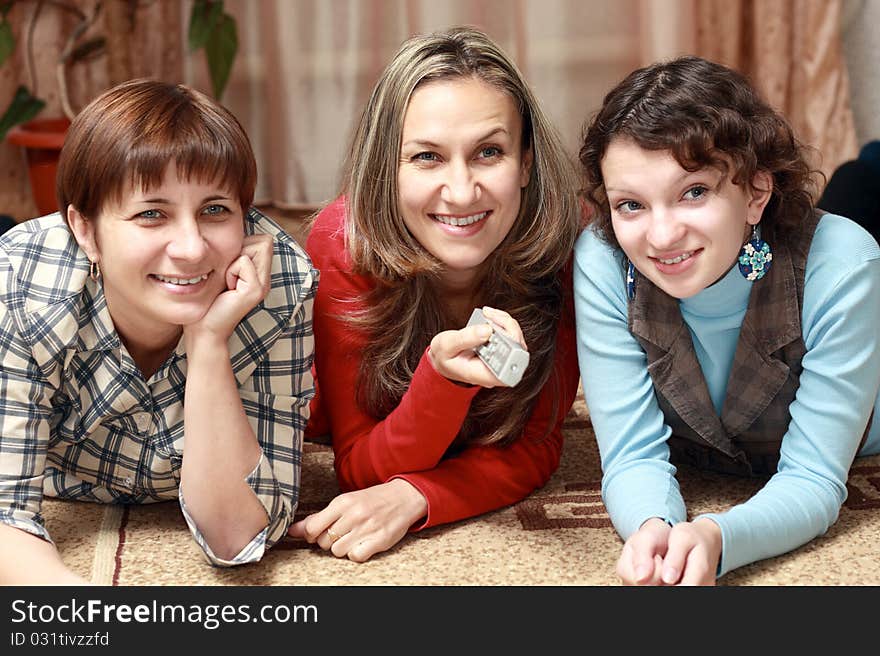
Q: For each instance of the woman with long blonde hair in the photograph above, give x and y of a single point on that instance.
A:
(458, 195)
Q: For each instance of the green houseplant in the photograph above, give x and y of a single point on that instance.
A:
(210, 29)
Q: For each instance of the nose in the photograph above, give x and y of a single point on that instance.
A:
(460, 188)
(187, 242)
(665, 230)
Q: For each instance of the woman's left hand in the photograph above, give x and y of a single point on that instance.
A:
(356, 525)
(247, 283)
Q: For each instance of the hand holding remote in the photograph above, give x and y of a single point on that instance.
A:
(453, 353)
(504, 355)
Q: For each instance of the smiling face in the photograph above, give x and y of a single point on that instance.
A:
(682, 230)
(163, 254)
(461, 172)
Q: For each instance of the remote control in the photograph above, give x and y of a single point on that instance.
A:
(504, 356)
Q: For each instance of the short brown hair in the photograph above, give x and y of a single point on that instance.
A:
(704, 114)
(129, 134)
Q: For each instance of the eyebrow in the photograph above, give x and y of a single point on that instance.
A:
(677, 181)
(424, 143)
(165, 201)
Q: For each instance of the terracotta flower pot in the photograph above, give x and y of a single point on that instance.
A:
(42, 139)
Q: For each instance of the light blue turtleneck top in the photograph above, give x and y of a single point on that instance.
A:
(838, 389)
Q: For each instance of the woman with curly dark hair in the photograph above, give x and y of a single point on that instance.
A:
(723, 322)
(458, 195)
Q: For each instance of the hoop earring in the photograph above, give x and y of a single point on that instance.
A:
(94, 270)
(630, 280)
(755, 258)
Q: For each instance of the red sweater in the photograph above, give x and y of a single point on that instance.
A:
(411, 441)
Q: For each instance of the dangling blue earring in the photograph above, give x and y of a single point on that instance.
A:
(630, 280)
(755, 257)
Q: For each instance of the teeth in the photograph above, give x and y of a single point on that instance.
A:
(182, 281)
(460, 221)
(677, 259)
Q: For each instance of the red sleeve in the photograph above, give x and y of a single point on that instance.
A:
(484, 478)
(413, 437)
(411, 441)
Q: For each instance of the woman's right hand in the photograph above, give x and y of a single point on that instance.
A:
(452, 351)
(359, 524)
(248, 279)
(641, 561)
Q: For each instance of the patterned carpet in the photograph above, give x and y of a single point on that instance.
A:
(560, 535)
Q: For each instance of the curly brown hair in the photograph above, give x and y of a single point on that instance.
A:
(705, 115)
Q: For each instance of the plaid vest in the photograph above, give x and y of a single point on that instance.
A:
(746, 438)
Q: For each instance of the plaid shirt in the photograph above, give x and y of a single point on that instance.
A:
(77, 418)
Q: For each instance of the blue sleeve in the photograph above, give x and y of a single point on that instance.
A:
(838, 389)
(638, 481)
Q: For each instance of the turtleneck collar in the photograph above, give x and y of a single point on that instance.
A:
(727, 296)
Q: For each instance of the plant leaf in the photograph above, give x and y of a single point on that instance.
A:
(220, 52)
(23, 107)
(7, 40)
(202, 21)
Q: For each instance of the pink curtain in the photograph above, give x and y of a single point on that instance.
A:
(792, 51)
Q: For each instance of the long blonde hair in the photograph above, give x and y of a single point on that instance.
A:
(403, 311)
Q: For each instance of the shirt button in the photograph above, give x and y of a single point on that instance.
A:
(143, 420)
(129, 482)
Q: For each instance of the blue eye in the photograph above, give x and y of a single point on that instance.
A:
(149, 214)
(215, 210)
(425, 157)
(696, 192)
(628, 206)
(490, 151)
